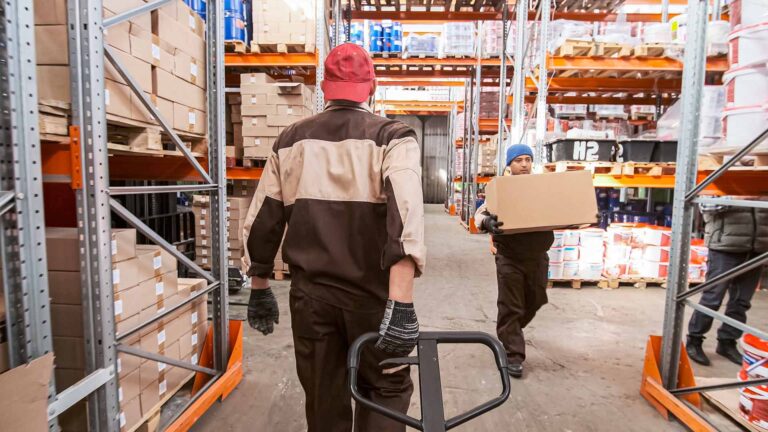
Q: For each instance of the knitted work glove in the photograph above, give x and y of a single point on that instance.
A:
(491, 224)
(262, 311)
(399, 330)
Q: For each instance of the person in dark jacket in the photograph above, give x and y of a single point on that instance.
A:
(733, 235)
(521, 269)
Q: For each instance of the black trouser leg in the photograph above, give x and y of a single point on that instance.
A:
(719, 263)
(536, 277)
(511, 304)
(740, 295)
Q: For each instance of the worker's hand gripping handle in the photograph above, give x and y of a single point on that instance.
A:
(438, 337)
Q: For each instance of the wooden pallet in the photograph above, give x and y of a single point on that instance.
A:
(282, 48)
(150, 421)
(235, 46)
(614, 168)
(606, 283)
(608, 49)
(650, 50)
(386, 55)
(642, 116)
(142, 136)
(726, 401)
(576, 48)
(716, 159)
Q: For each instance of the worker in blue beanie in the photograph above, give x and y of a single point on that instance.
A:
(522, 266)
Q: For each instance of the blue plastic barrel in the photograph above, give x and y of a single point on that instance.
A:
(376, 33)
(202, 9)
(234, 24)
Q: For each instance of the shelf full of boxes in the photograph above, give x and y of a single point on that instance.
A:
(140, 115)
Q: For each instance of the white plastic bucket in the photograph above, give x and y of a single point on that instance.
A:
(743, 124)
(555, 271)
(657, 33)
(656, 253)
(747, 12)
(746, 85)
(558, 243)
(571, 238)
(590, 271)
(570, 269)
(754, 352)
(571, 253)
(753, 404)
(555, 254)
(747, 45)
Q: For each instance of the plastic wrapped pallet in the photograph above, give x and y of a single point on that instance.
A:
(564, 30)
(616, 32)
(426, 45)
(284, 22)
(459, 39)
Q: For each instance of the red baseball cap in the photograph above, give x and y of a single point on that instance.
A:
(349, 74)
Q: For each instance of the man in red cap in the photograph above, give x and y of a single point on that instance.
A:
(348, 185)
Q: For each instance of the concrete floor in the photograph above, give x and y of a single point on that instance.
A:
(585, 352)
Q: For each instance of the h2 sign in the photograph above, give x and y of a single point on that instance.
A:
(586, 150)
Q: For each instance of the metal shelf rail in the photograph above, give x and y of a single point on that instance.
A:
(667, 373)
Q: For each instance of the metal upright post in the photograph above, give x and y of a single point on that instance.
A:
(468, 110)
(501, 146)
(86, 46)
(541, 108)
(664, 11)
(451, 150)
(320, 32)
(685, 180)
(518, 77)
(475, 144)
(338, 22)
(217, 171)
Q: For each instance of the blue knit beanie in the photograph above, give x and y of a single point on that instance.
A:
(517, 150)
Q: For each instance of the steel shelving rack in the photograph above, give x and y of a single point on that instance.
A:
(668, 376)
(85, 164)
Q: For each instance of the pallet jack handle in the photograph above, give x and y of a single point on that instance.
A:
(433, 418)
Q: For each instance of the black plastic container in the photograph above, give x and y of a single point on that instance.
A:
(665, 151)
(635, 150)
(581, 150)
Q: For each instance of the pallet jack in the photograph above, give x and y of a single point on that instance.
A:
(432, 411)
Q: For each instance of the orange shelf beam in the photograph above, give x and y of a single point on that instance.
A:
(640, 64)
(270, 60)
(442, 16)
(600, 100)
(630, 85)
(419, 83)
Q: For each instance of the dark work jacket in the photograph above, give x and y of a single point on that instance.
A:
(530, 245)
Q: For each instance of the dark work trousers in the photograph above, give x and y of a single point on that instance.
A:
(522, 292)
(739, 289)
(322, 335)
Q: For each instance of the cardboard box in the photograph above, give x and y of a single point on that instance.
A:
(119, 35)
(234, 152)
(254, 78)
(48, 45)
(189, 69)
(50, 12)
(123, 244)
(177, 90)
(152, 371)
(131, 272)
(188, 119)
(129, 386)
(130, 414)
(70, 351)
(162, 261)
(138, 69)
(127, 363)
(541, 202)
(291, 110)
(192, 285)
(260, 131)
(283, 120)
(120, 6)
(67, 320)
(178, 35)
(118, 99)
(267, 142)
(190, 18)
(66, 377)
(151, 395)
(257, 152)
(127, 323)
(53, 83)
(149, 48)
(291, 99)
(64, 287)
(129, 302)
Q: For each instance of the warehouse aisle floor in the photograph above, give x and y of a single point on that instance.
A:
(585, 352)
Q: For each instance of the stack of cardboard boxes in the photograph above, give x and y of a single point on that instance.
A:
(163, 51)
(267, 107)
(487, 152)
(284, 23)
(237, 209)
(234, 149)
(145, 283)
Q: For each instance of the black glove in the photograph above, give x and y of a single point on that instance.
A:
(262, 311)
(399, 330)
(491, 224)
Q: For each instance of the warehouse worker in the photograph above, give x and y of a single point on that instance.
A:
(521, 269)
(348, 185)
(733, 235)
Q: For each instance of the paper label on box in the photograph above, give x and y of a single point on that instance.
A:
(253, 100)
(193, 69)
(160, 366)
(119, 394)
(202, 222)
(203, 232)
(205, 260)
(192, 22)
(115, 276)
(194, 358)
(203, 211)
(194, 339)
(194, 318)
(163, 387)
(161, 337)
(106, 97)
(257, 141)
(192, 118)
(204, 242)
(157, 262)
(119, 365)
(161, 310)
(118, 307)
(122, 419)
(156, 51)
(254, 121)
(114, 247)
(289, 110)
(159, 288)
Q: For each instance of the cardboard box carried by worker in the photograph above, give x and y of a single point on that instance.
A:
(541, 202)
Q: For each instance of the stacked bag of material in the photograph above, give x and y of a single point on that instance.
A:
(459, 39)
(623, 251)
(290, 22)
(237, 209)
(145, 283)
(267, 108)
